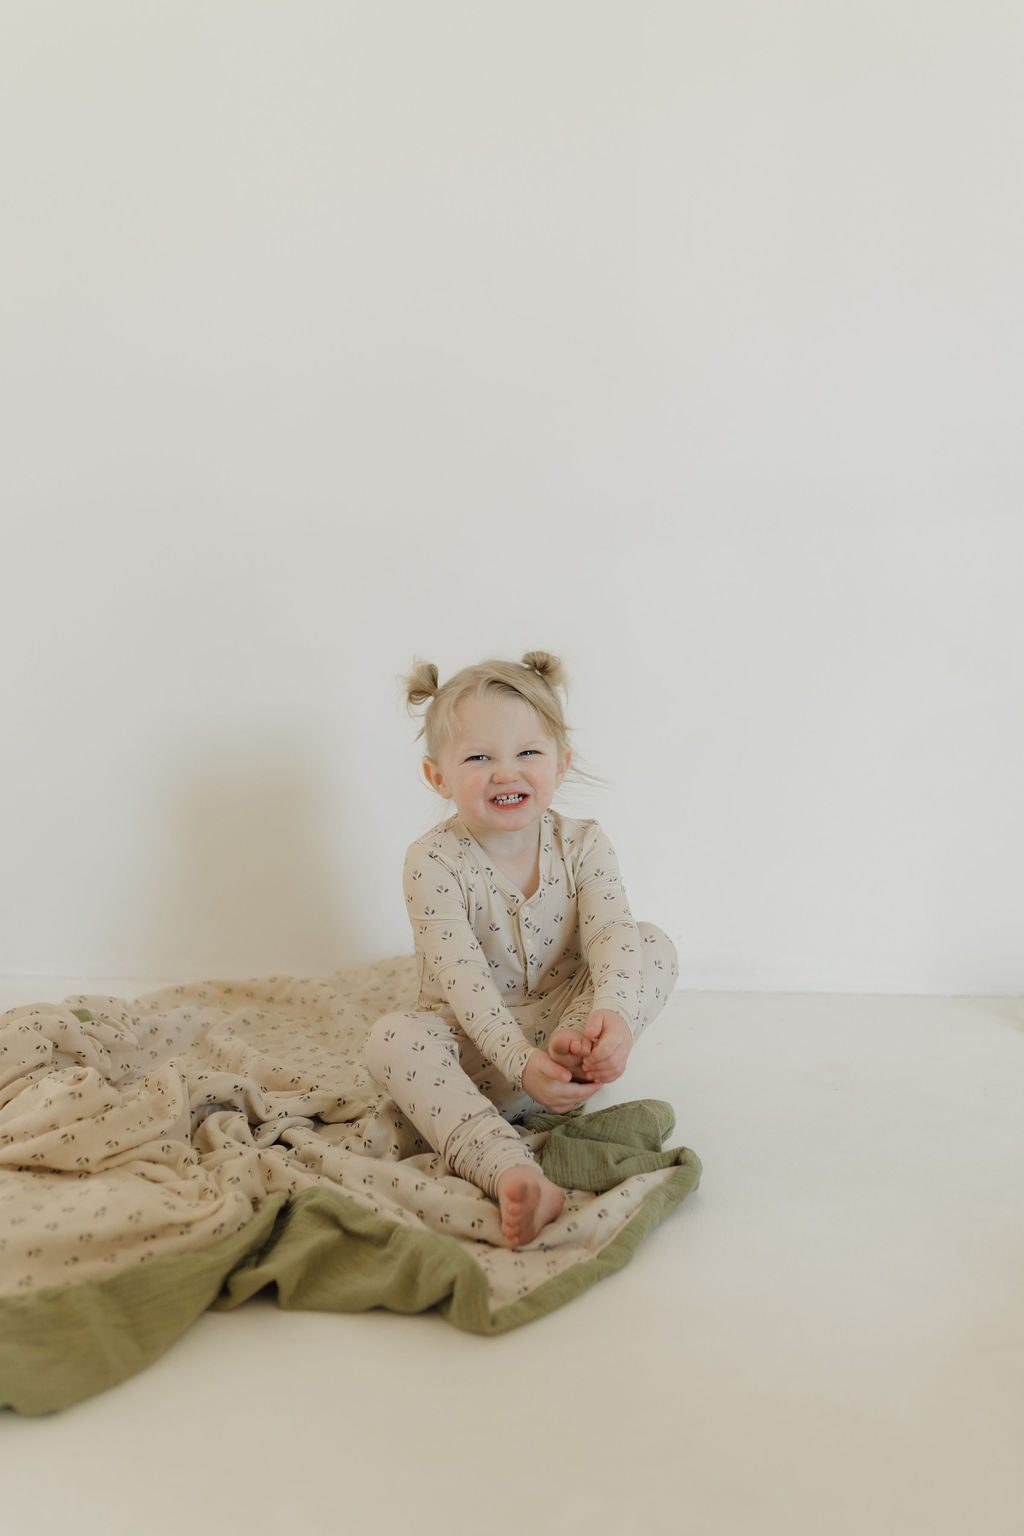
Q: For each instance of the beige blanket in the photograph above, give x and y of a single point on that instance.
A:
(188, 1148)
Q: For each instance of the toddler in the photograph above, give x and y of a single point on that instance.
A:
(534, 980)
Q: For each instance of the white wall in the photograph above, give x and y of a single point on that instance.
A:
(684, 340)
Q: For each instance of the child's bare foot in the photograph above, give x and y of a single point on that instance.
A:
(570, 1049)
(528, 1202)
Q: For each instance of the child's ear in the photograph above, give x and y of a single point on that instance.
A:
(435, 778)
(563, 768)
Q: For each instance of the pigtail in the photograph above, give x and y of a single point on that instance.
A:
(546, 666)
(421, 683)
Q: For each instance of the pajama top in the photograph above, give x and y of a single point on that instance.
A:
(485, 949)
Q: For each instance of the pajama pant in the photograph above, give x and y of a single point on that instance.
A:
(443, 1094)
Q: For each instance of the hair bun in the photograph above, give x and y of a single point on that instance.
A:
(546, 666)
(421, 684)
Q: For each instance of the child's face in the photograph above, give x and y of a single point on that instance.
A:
(501, 768)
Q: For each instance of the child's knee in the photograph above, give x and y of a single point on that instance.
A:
(380, 1047)
(659, 955)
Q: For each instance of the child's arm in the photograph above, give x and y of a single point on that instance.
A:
(610, 937)
(452, 960)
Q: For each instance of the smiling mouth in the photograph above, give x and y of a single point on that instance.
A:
(508, 799)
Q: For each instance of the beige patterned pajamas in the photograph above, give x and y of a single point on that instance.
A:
(500, 973)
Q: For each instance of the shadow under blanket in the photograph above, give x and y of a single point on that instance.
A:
(189, 1148)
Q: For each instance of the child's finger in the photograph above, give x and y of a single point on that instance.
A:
(603, 1068)
(555, 1070)
(579, 1093)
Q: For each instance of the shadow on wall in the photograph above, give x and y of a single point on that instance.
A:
(251, 879)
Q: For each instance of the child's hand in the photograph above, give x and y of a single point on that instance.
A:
(551, 1084)
(611, 1043)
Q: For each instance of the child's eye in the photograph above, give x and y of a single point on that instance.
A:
(530, 752)
(477, 757)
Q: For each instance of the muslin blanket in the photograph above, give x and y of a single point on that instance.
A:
(195, 1145)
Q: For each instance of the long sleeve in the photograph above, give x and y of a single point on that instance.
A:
(453, 966)
(610, 937)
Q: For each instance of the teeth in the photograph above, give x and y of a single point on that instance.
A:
(508, 799)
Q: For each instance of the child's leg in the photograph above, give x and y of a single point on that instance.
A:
(659, 973)
(415, 1059)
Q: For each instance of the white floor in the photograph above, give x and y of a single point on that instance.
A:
(828, 1338)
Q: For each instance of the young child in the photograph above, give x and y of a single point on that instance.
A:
(534, 979)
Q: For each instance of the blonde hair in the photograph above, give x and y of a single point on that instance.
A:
(536, 680)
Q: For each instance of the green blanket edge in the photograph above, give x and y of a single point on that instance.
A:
(64, 1343)
(323, 1252)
